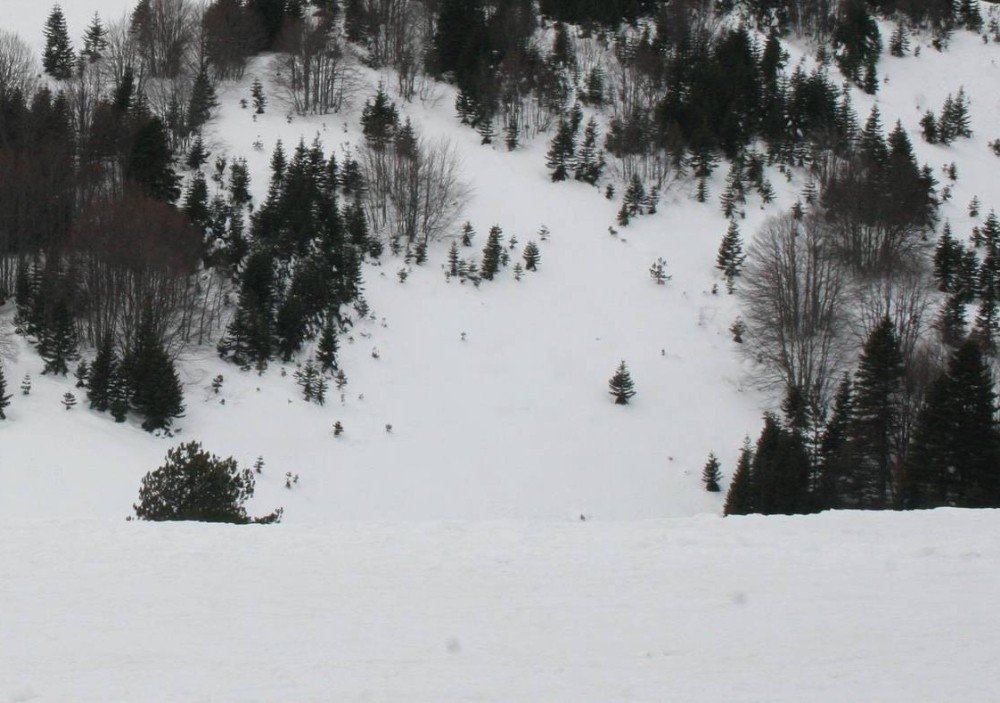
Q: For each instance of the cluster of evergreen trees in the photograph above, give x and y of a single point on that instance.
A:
(304, 260)
(862, 456)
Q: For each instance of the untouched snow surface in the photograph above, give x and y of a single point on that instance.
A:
(836, 607)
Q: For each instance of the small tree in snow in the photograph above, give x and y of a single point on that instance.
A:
(621, 386)
(711, 475)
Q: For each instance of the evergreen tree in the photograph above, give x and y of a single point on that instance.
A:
(491, 254)
(561, 156)
(95, 42)
(590, 160)
(836, 474)
(780, 471)
(621, 387)
(875, 428)
(711, 475)
(635, 196)
(58, 59)
(947, 261)
(987, 327)
(151, 162)
(82, 374)
(532, 256)
(258, 96)
(951, 321)
(58, 345)
(326, 349)
(119, 395)
(155, 387)
(203, 100)
(453, 259)
(197, 157)
(658, 272)
(26, 385)
(195, 485)
(955, 452)
(739, 499)
(102, 372)
(380, 120)
(4, 396)
(731, 257)
(68, 400)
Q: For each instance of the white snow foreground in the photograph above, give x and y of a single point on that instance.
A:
(835, 607)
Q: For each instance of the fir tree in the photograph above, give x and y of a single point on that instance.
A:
(621, 386)
(951, 321)
(95, 42)
(379, 120)
(711, 475)
(119, 395)
(947, 261)
(150, 163)
(82, 374)
(836, 466)
(658, 272)
(308, 378)
(590, 160)
(203, 101)
(101, 374)
(739, 499)
(68, 400)
(491, 254)
(987, 326)
(468, 233)
(731, 257)
(26, 385)
(326, 349)
(217, 385)
(197, 157)
(453, 259)
(58, 344)
(4, 396)
(532, 256)
(58, 59)
(780, 471)
(955, 451)
(876, 422)
(155, 387)
(258, 96)
(635, 196)
(562, 152)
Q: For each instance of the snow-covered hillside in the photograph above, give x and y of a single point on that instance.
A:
(837, 607)
(497, 395)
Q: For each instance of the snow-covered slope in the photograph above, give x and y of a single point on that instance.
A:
(836, 607)
(514, 421)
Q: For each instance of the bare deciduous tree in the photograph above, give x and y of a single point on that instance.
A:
(793, 293)
(18, 69)
(313, 69)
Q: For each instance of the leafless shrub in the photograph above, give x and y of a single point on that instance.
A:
(313, 69)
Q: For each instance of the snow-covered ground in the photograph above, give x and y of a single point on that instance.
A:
(836, 607)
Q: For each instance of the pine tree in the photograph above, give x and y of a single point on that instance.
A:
(95, 42)
(955, 451)
(4, 396)
(154, 385)
(150, 163)
(836, 465)
(658, 272)
(947, 261)
(635, 196)
(197, 157)
(969, 15)
(780, 471)
(82, 374)
(453, 259)
(739, 499)
(308, 378)
(711, 475)
(26, 385)
(590, 161)
(899, 43)
(491, 254)
(101, 373)
(731, 257)
(58, 344)
(258, 96)
(58, 59)
(987, 326)
(326, 349)
(468, 233)
(951, 321)
(380, 120)
(560, 158)
(68, 400)
(119, 395)
(532, 256)
(621, 386)
(203, 101)
(876, 421)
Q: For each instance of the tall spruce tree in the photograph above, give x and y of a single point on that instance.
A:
(875, 427)
(150, 163)
(154, 383)
(58, 343)
(326, 349)
(954, 458)
(95, 41)
(102, 373)
(58, 59)
(561, 156)
(731, 257)
(740, 498)
(836, 466)
(491, 254)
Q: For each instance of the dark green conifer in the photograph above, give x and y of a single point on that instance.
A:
(711, 475)
(58, 59)
(621, 387)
